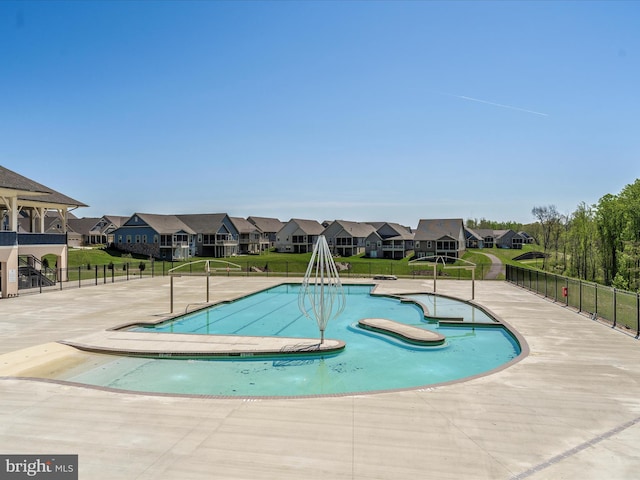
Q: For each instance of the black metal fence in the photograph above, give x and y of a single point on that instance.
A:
(46, 279)
(618, 307)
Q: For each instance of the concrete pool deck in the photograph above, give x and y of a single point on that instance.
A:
(570, 409)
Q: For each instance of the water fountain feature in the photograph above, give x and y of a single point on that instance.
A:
(321, 296)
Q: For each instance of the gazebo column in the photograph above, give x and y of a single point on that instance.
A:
(63, 215)
(41, 213)
(12, 203)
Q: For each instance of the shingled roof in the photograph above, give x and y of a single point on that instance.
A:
(267, 224)
(435, 229)
(355, 229)
(310, 227)
(243, 225)
(207, 223)
(33, 191)
(164, 224)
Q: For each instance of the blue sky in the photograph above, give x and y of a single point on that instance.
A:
(355, 110)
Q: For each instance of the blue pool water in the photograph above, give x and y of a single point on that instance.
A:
(370, 361)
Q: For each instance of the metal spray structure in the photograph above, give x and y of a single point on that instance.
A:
(321, 296)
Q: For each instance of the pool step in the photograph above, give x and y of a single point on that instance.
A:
(185, 345)
(408, 333)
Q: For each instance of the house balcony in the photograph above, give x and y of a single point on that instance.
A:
(175, 245)
(393, 248)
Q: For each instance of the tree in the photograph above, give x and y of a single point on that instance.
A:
(629, 257)
(549, 220)
(609, 226)
(582, 243)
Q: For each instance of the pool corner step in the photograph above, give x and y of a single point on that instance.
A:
(408, 333)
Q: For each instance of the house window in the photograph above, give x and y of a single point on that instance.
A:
(417, 244)
(119, 238)
(144, 239)
(155, 239)
(128, 238)
(428, 243)
(137, 238)
(199, 238)
(368, 244)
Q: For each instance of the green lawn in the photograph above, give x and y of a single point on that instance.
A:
(86, 262)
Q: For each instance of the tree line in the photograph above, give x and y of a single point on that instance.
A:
(599, 243)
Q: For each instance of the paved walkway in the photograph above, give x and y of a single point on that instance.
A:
(570, 410)
(496, 268)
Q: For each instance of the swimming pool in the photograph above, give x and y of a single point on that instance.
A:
(370, 361)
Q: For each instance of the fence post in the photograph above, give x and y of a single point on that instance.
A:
(595, 306)
(96, 267)
(614, 308)
(171, 295)
(79, 277)
(637, 315)
(127, 264)
(104, 274)
(113, 274)
(566, 285)
(580, 296)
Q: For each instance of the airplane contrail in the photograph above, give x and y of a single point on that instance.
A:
(511, 107)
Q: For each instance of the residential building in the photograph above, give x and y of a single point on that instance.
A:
(527, 238)
(216, 236)
(250, 238)
(508, 239)
(488, 238)
(389, 240)
(440, 237)
(101, 233)
(480, 238)
(298, 236)
(346, 238)
(270, 228)
(164, 237)
(81, 229)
